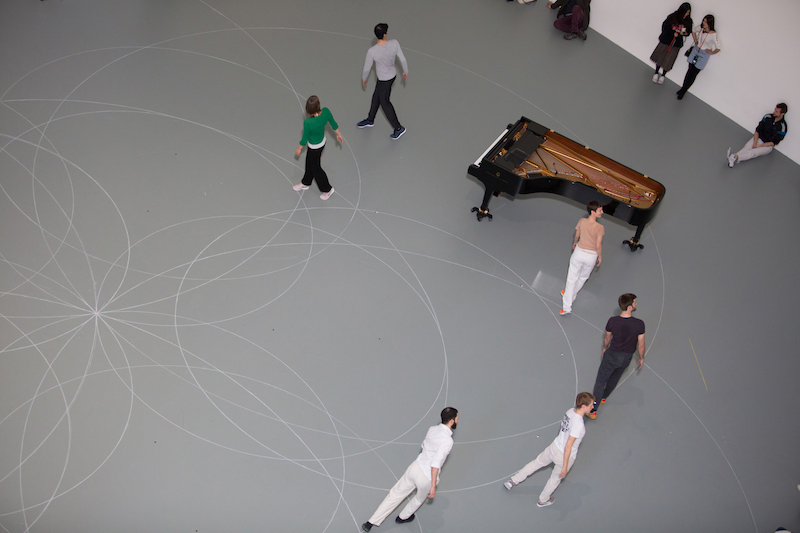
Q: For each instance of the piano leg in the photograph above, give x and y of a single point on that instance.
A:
(483, 210)
(634, 242)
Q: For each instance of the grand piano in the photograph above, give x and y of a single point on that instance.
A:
(528, 157)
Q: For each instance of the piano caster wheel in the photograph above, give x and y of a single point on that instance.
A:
(633, 245)
(481, 213)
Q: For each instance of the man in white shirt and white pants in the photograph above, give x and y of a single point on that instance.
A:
(422, 474)
(561, 452)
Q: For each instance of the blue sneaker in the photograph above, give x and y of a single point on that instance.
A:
(366, 123)
(396, 134)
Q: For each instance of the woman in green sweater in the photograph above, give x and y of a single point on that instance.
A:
(314, 135)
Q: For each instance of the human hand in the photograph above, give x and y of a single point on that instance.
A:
(297, 151)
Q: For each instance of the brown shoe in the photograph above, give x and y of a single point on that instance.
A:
(570, 36)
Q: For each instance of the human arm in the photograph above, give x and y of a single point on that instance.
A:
(576, 238)
(599, 249)
(641, 351)
(606, 341)
(403, 62)
(339, 137)
(567, 452)
(298, 150)
(434, 478)
(367, 67)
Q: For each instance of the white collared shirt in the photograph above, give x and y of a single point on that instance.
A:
(435, 449)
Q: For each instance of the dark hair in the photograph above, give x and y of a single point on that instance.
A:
(312, 105)
(594, 205)
(381, 29)
(710, 20)
(677, 16)
(626, 300)
(782, 107)
(584, 398)
(448, 414)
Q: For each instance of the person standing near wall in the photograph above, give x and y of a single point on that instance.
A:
(674, 28)
(706, 44)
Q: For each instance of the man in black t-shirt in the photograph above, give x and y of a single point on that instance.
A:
(769, 132)
(624, 335)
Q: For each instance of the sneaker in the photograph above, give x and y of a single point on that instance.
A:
(593, 413)
(602, 401)
(661, 80)
(509, 484)
(396, 134)
(655, 77)
(300, 187)
(564, 312)
(366, 526)
(366, 123)
(545, 504)
(570, 36)
(325, 195)
(562, 293)
(582, 34)
(399, 520)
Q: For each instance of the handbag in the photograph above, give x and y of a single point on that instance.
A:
(698, 57)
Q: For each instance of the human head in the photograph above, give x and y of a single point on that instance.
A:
(684, 10)
(312, 105)
(381, 29)
(782, 107)
(594, 205)
(626, 300)
(583, 399)
(709, 19)
(448, 414)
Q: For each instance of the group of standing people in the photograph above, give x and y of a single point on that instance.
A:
(383, 55)
(675, 28)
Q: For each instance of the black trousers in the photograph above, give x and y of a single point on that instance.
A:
(314, 170)
(691, 75)
(380, 98)
(611, 369)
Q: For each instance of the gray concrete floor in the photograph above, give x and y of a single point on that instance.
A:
(190, 345)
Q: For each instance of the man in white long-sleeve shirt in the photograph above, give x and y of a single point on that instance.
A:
(384, 55)
(422, 474)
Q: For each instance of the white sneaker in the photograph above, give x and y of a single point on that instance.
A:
(300, 187)
(661, 80)
(509, 485)
(731, 158)
(655, 77)
(545, 504)
(326, 195)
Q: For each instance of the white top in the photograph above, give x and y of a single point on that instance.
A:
(571, 426)
(384, 57)
(435, 449)
(707, 41)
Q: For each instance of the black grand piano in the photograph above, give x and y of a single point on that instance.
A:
(528, 158)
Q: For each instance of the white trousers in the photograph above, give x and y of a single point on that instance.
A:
(748, 152)
(551, 454)
(581, 264)
(413, 478)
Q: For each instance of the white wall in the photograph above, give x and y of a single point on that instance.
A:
(759, 64)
